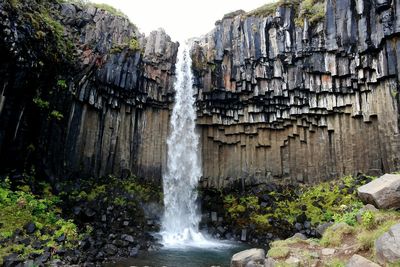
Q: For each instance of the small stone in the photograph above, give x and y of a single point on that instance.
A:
(61, 238)
(30, 228)
(103, 218)
(293, 261)
(328, 251)
(110, 249)
(322, 228)
(298, 226)
(128, 238)
(125, 223)
(240, 259)
(299, 236)
(307, 224)
(133, 252)
(358, 261)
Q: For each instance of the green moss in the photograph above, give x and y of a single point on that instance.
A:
(313, 10)
(55, 114)
(134, 44)
(40, 103)
(335, 263)
(278, 252)
(335, 234)
(110, 9)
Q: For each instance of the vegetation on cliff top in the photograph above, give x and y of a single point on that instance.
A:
(312, 10)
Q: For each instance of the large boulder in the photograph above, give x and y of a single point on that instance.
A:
(383, 192)
(388, 246)
(357, 261)
(254, 255)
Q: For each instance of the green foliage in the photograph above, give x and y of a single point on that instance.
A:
(110, 9)
(40, 103)
(134, 44)
(335, 263)
(17, 208)
(368, 219)
(62, 84)
(313, 10)
(56, 115)
(244, 204)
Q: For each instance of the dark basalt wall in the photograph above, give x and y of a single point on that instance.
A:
(114, 101)
(278, 101)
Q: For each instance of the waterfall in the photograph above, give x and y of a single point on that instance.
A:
(181, 215)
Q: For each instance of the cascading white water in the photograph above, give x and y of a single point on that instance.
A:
(181, 216)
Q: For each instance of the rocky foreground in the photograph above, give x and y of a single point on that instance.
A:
(372, 240)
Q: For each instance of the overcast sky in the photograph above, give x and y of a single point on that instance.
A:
(181, 19)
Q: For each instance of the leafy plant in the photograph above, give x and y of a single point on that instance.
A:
(40, 103)
(56, 115)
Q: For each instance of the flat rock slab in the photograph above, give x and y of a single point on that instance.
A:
(328, 251)
(388, 246)
(383, 192)
(358, 261)
(241, 259)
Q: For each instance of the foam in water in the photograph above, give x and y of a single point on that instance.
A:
(181, 217)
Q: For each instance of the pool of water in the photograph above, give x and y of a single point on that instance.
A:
(184, 257)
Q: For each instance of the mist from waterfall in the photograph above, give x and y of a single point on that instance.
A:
(180, 224)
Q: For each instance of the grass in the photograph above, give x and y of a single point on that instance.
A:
(278, 252)
(312, 10)
(335, 234)
(110, 9)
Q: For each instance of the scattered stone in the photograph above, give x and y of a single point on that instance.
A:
(298, 226)
(30, 228)
(388, 246)
(133, 252)
(128, 238)
(110, 249)
(328, 251)
(299, 236)
(61, 238)
(89, 212)
(240, 259)
(293, 261)
(103, 218)
(358, 261)
(382, 192)
(269, 262)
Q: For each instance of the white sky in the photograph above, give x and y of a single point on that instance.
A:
(181, 19)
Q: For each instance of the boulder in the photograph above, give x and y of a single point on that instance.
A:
(384, 192)
(357, 261)
(254, 255)
(388, 246)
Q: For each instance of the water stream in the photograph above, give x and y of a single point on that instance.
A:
(180, 224)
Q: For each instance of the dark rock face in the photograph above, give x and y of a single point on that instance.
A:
(276, 101)
(114, 102)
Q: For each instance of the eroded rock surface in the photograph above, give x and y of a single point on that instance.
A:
(279, 101)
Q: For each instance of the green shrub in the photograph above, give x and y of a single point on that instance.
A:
(56, 115)
(40, 103)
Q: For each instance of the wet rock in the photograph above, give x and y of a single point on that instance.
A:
(383, 192)
(387, 246)
(133, 252)
(357, 261)
(240, 259)
(128, 238)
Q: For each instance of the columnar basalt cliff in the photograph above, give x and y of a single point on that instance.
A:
(103, 110)
(280, 101)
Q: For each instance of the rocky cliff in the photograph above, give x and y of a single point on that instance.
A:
(284, 98)
(83, 93)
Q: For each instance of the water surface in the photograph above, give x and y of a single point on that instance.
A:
(184, 257)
